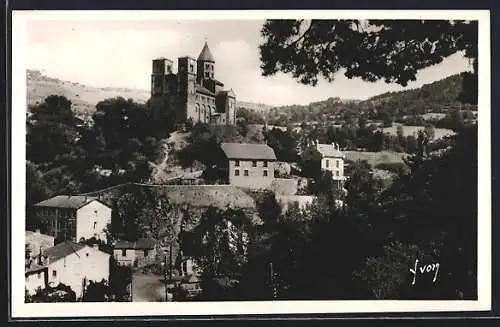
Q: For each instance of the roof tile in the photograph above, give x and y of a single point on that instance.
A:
(248, 151)
(66, 201)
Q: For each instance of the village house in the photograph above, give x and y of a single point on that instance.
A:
(36, 242)
(332, 160)
(249, 165)
(138, 253)
(74, 217)
(68, 263)
(36, 277)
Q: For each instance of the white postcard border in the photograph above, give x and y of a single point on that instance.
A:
(87, 310)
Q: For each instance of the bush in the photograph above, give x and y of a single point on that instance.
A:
(393, 167)
(60, 293)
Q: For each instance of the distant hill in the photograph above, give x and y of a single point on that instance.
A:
(84, 98)
(436, 97)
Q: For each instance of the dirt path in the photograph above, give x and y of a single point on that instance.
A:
(147, 288)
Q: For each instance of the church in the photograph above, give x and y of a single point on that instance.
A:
(194, 94)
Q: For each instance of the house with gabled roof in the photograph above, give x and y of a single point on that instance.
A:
(67, 263)
(138, 253)
(332, 160)
(74, 218)
(249, 165)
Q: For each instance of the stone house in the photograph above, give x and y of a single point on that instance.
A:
(74, 217)
(139, 253)
(68, 263)
(249, 165)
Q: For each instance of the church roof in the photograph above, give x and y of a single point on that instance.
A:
(205, 54)
(229, 93)
(203, 90)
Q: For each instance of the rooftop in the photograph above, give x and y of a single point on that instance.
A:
(66, 201)
(206, 54)
(201, 89)
(62, 250)
(248, 151)
(140, 244)
(229, 93)
(329, 150)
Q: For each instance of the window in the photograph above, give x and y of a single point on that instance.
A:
(337, 173)
(191, 68)
(54, 273)
(254, 163)
(265, 163)
(245, 172)
(338, 163)
(185, 267)
(87, 254)
(95, 224)
(327, 163)
(146, 252)
(207, 66)
(207, 74)
(39, 275)
(236, 172)
(237, 163)
(265, 173)
(124, 252)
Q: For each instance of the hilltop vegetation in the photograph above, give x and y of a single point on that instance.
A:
(437, 97)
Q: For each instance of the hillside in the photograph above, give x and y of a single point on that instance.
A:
(436, 97)
(84, 97)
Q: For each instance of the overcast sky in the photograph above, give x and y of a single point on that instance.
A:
(119, 54)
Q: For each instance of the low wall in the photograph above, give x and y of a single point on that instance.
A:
(286, 200)
(284, 186)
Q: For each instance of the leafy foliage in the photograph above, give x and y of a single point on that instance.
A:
(389, 50)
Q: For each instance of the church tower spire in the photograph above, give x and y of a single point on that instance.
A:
(206, 64)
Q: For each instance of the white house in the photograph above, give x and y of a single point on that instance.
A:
(68, 263)
(74, 217)
(332, 160)
(35, 277)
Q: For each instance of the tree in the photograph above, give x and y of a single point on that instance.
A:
(131, 206)
(269, 208)
(397, 49)
(283, 143)
(36, 191)
(97, 292)
(429, 132)
(52, 128)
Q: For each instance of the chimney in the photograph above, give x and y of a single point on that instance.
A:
(95, 246)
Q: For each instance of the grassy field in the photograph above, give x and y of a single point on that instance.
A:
(410, 130)
(375, 158)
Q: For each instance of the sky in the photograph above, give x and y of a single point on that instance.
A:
(118, 53)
